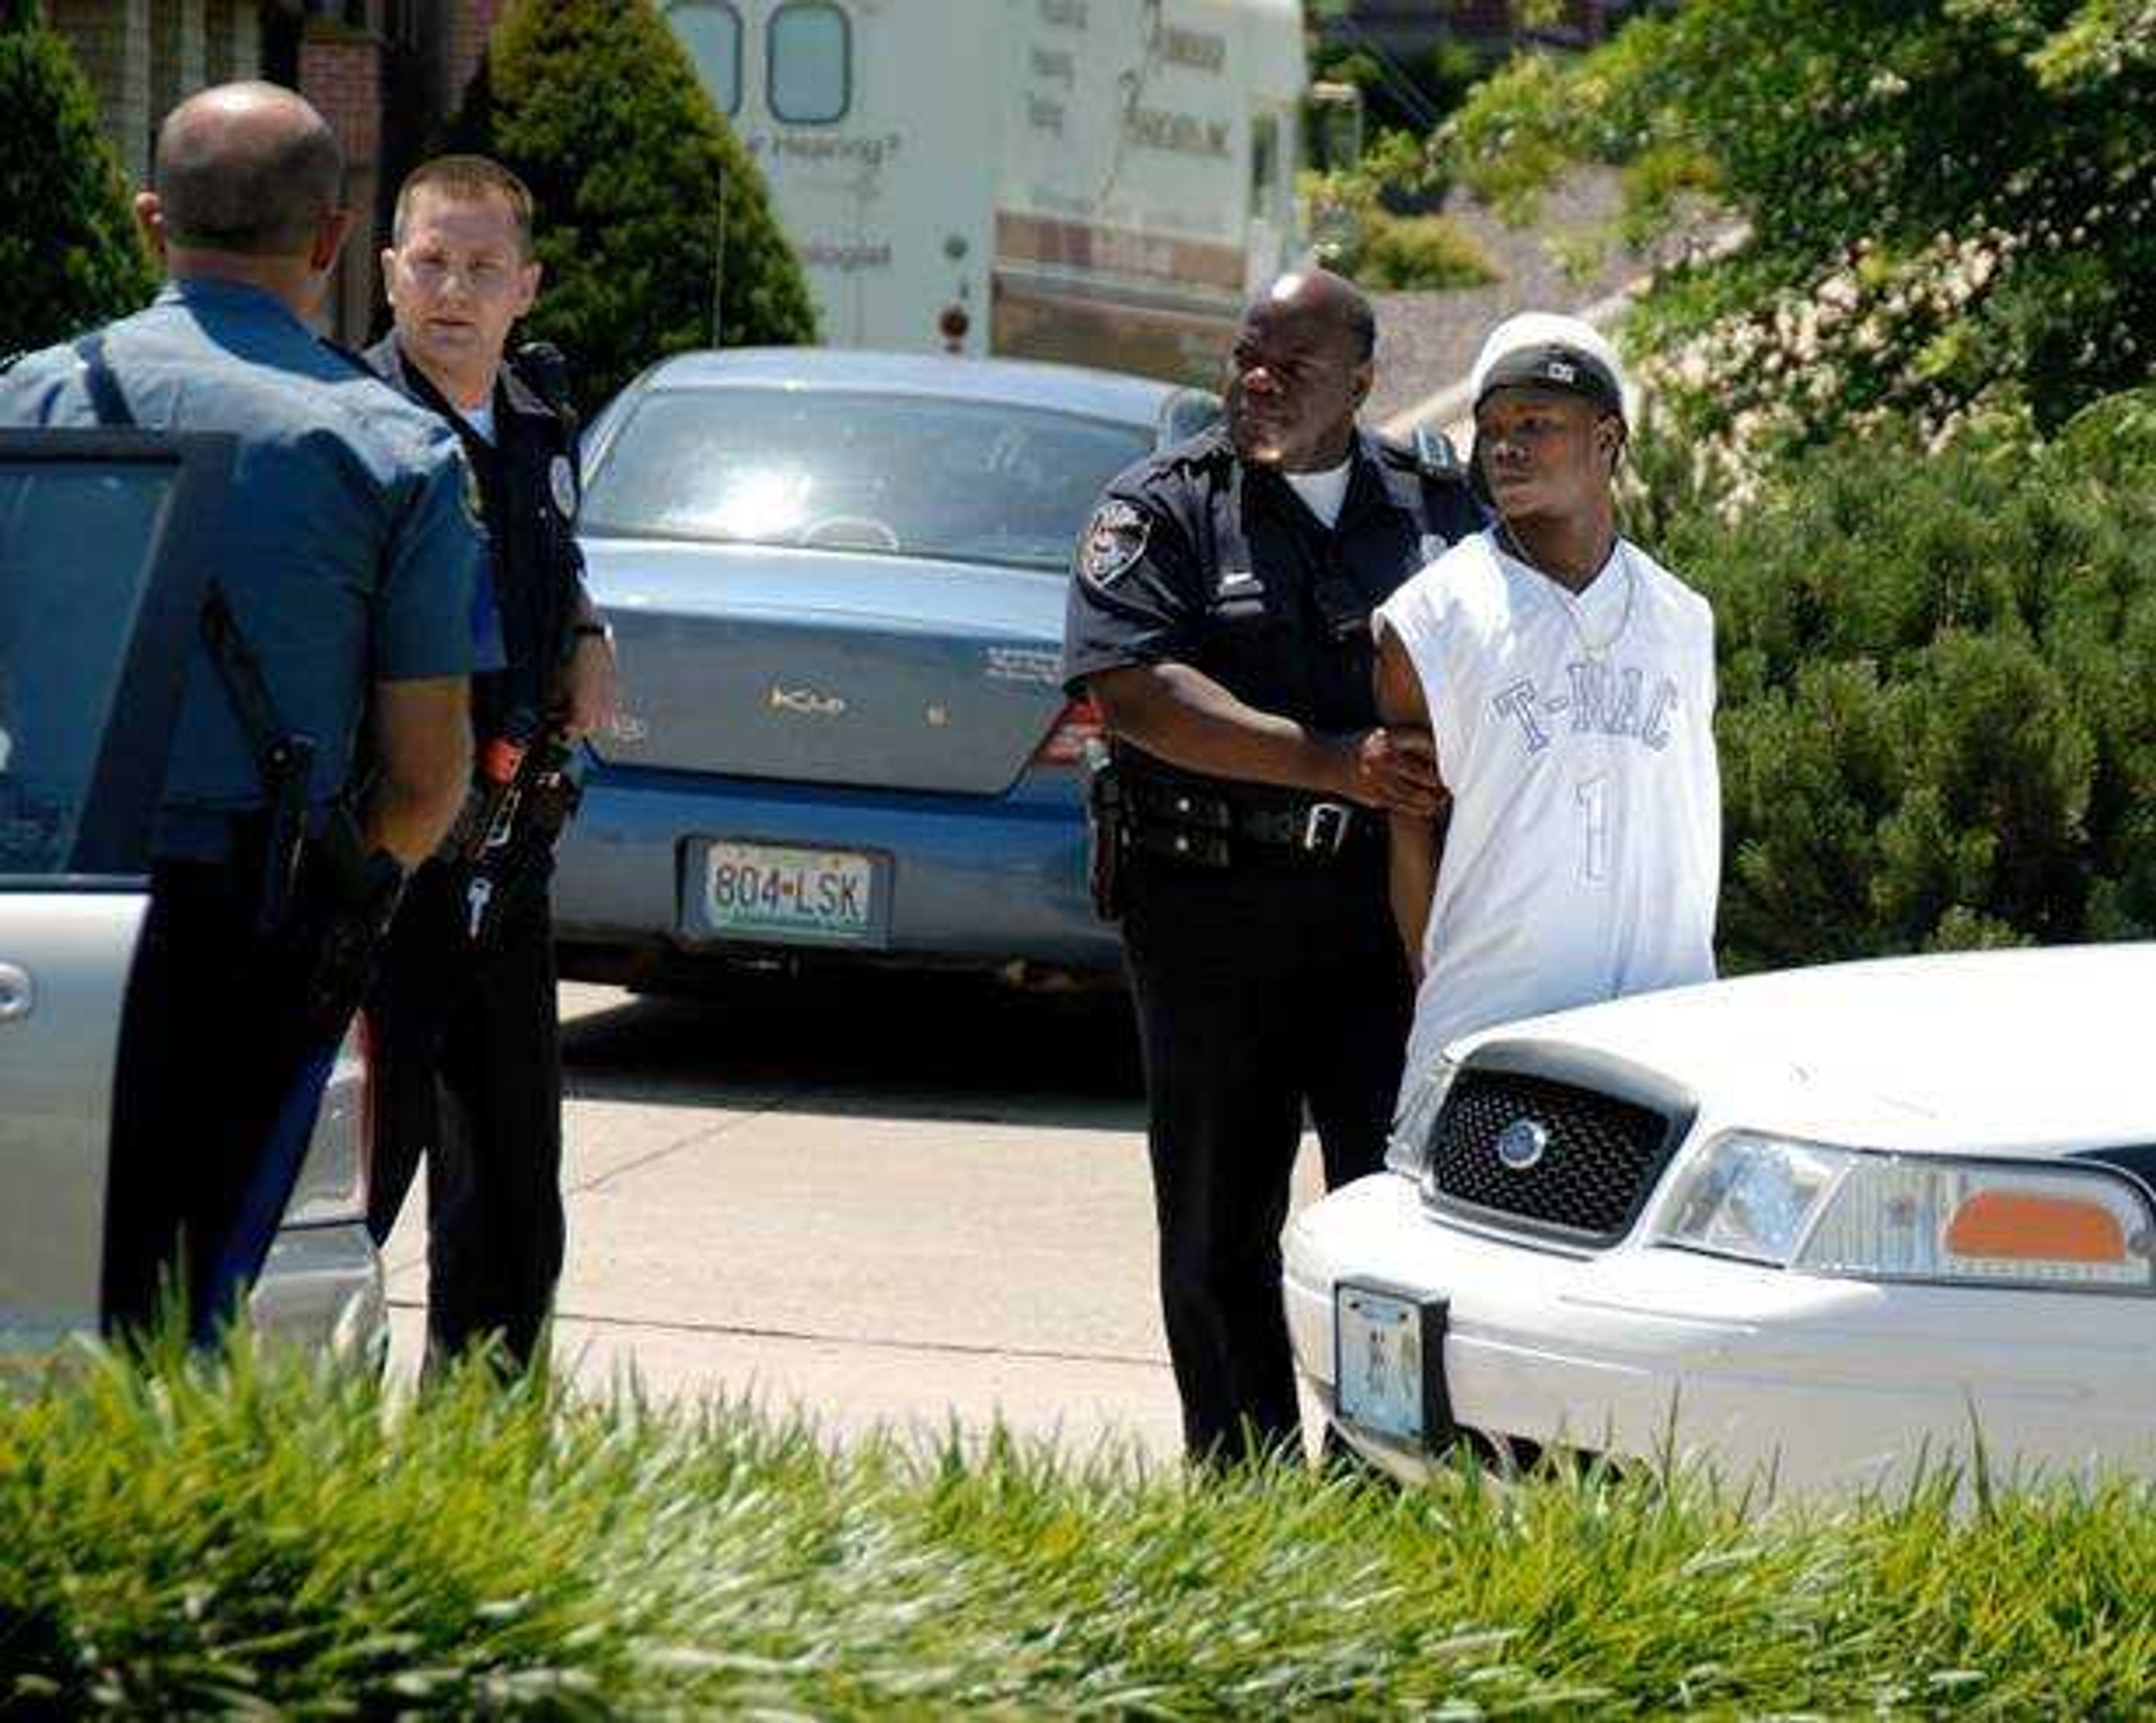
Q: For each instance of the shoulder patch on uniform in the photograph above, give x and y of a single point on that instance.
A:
(562, 485)
(1115, 539)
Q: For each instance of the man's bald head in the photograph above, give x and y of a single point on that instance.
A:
(250, 169)
(1325, 299)
(1300, 371)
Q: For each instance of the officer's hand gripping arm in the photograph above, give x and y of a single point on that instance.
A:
(1179, 714)
(1417, 840)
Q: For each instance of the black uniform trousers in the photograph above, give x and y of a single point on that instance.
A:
(212, 1047)
(469, 1074)
(1261, 990)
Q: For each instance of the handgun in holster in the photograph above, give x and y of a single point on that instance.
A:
(325, 898)
(1108, 829)
(349, 896)
(511, 838)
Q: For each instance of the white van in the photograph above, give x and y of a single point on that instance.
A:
(1103, 181)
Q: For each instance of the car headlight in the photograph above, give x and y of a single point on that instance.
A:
(1414, 1127)
(1875, 1216)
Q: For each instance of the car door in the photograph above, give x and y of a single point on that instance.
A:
(103, 567)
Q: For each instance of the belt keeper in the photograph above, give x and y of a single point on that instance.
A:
(1326, 826)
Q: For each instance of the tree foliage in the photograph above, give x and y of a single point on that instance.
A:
(1937, 726)
(1949, 205)
(68, 251)
(598, 106)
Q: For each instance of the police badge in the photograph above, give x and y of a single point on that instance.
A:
(561, 481)
(1115, 539)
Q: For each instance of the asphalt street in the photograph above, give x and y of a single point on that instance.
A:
(894, 1201)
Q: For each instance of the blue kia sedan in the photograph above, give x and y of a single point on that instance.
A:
(836, 581)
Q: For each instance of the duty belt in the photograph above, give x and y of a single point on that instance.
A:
(1210, 827)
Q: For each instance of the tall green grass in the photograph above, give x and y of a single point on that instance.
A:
(253, 1534)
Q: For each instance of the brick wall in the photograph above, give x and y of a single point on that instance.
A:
(342, 76)
(177, 51)
(343, 80)
(470, 23)
(111, 40)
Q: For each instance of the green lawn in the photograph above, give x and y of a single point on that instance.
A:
(256, 1535)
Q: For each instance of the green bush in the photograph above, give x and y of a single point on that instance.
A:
(1392, 253)
(1937, 724)
(70, 254)
(261, 1539)
(1355, 217)
(598, 107)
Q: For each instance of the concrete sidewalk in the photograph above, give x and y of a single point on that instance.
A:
(901, 1211)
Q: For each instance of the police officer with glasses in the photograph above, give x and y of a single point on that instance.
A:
(1219, 614)
(324, 740)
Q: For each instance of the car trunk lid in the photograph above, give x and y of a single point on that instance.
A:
(830, 667)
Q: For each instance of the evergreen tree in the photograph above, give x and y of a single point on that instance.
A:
(70, 254)
(597, 107)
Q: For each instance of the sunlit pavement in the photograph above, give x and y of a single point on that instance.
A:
(902, 1204)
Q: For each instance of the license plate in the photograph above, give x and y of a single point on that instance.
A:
(1388, 1365)
(769, 892)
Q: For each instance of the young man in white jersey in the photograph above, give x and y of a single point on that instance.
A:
(1567, 680)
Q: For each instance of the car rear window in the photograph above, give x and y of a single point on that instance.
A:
(913, 476)
(77, 543)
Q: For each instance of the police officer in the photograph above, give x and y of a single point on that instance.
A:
(471, 1065)
(338, 633)
(1219, 616)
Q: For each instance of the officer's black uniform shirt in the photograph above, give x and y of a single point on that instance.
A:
(1198, 558)
(529, 483)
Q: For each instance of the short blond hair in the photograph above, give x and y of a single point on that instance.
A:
(466, 179)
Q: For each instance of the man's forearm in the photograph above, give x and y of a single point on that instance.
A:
(409, 822)
(1183, 717)
(422, 744)
(1411, 872)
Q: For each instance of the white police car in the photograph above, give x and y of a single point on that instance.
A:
(1811, 1228)
(103, 561)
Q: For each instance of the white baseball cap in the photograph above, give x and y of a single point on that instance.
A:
(1545, 350)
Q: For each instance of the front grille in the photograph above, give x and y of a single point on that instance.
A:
(1600, 1155)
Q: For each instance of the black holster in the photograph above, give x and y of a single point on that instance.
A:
(503, 863)
(1107, 824)
(346, 897)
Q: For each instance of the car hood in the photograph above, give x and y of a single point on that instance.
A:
(2015, 1052)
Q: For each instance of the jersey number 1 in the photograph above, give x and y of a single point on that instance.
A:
(1593, 797)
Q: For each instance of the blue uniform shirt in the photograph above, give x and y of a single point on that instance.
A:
(350, 551)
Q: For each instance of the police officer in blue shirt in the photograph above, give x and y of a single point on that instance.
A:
(1219, 614)
(324, 737)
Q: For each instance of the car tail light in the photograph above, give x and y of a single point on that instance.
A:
(1078, 723)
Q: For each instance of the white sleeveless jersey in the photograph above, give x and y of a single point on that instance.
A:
(1576, 734)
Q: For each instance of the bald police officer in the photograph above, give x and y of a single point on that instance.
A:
(1219, 614)
(340, 636)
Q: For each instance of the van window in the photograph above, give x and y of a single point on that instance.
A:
(811, 73)
(711, 31)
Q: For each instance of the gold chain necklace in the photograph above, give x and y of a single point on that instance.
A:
(1562, 598)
